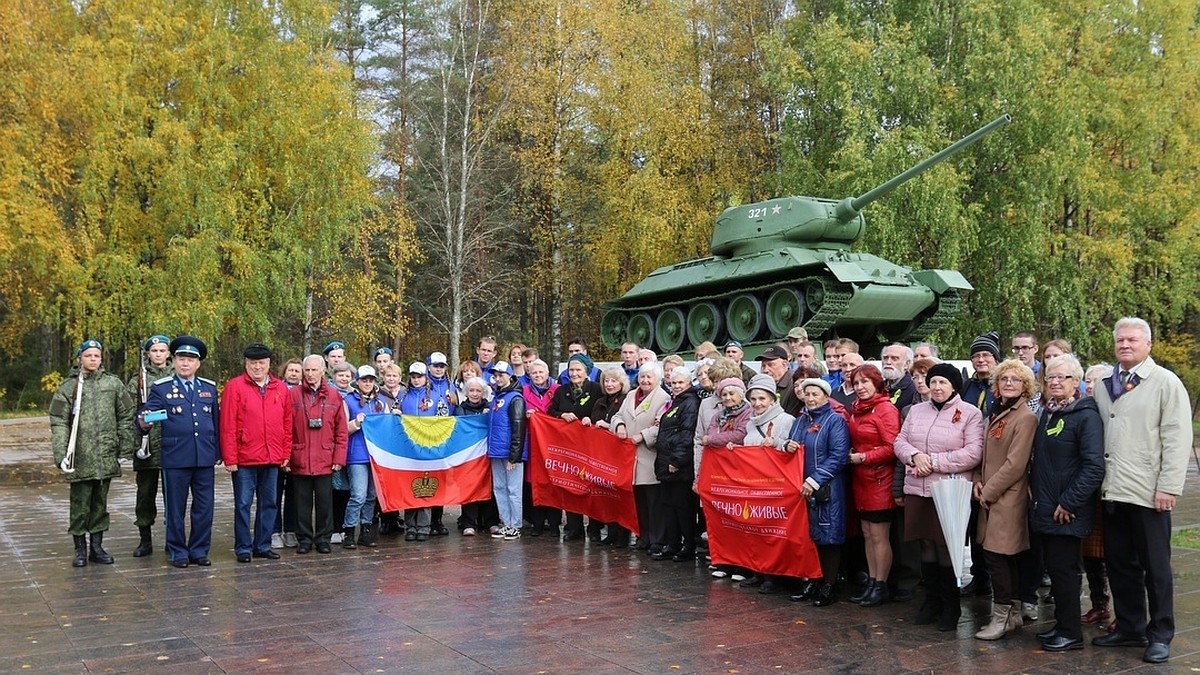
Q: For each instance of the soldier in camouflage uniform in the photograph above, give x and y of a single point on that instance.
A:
(156, 359)
(105, 433)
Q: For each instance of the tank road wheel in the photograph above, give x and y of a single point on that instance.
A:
(669, 329)
(640, 329)
(612, 328)
(785, 311)
(815, 293)
(704, 323)
(744, 316)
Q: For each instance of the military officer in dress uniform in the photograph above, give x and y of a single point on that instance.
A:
(190, 449)
(146, 466)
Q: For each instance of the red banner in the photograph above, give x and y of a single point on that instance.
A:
(582, 469)
(756, 517)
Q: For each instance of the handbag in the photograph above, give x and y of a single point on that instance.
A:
(822, 495)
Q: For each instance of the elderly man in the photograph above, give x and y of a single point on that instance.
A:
(985, 353)
(734, 352)
(925, 350)
(775, 363)
(189, 450)
(1147, 440)
(897, 360)
(319, 432)
(146, 463)
(256, 439)
(91, 426)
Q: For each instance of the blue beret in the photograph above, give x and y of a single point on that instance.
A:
(155, 340)
(383, 350)
(332, 346)
(88, 344)
(192, 346)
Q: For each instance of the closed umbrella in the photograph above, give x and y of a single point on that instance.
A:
(952, 497)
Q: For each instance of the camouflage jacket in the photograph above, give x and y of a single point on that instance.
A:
(106, 429)
(154, 436)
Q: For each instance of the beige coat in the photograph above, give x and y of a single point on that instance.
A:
(642, 419)
(1007, 445)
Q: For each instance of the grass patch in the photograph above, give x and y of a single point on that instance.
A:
(19, 414)
(1186, 538)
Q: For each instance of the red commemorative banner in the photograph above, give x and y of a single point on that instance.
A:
(755, 513)
(582, 469)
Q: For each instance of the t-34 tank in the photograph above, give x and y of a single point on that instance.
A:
(787, 262)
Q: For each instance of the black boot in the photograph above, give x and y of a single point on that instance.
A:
(348, 538)
(876, 596)
(144, 547)
(951, 605)
(808, 590)
(366, 537)
(931, 608)
(81, 553)
(825, 596)
(866, 590)
(98, 554)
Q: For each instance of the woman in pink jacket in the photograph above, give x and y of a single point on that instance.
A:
(940, 437)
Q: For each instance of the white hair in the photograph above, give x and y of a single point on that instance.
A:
(315, 357)
(1133, 322)
(1073, 366)
(651, 368)
(647, 352)
(1102, 369)
(908, 352)
(479, 381)
(683, 370)
(538, 362)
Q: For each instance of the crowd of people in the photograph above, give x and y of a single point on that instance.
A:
(1072, 470)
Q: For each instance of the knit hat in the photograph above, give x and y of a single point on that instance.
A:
(584, 359)
(947, 371)
(816, 382)
(988, 342)
(762, 382)
(734, 382)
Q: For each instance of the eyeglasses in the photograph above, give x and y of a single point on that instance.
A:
(1010, 380)
(1023, 348)
(1059, 378)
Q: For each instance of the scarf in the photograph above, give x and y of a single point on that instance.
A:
(725, 420)
(1054, 405)
(1002, 405)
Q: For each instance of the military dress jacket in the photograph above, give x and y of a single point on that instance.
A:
(189, 434)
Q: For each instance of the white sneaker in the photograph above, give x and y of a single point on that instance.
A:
(276, 541)
(737, 577)
(468, 532)
(1029, 611)
(498, 532)
(719, 573)
(511, 533)
(335, 538)
(289, 540)
(495, 529)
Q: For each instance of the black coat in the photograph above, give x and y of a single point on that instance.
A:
(676, 433)
(1067, 468)
(580, 401)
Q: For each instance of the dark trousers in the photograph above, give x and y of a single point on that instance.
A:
(1137, 553)
(435, 517)
(145, 509)
(177, 484)
(285, 521)
(479, 515)
(1004, 571)
(574, 526)
(1062, 562)
(1097, 580)
(89, 506)
(309, 494)
(1030, 565)
(831, 558)
(678, 515)
(648, 500)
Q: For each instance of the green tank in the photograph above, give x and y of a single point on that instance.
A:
(787, 262)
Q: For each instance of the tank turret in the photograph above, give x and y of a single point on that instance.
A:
(787, 262)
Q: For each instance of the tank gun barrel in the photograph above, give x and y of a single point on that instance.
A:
(849, 207)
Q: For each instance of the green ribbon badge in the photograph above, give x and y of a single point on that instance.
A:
(1057, 428)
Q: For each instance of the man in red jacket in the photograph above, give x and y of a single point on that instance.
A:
(256, 439)
(318, 450)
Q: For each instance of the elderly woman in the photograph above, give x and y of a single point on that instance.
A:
(709, 375)
(727, 429)
(825, 439)
(674, 469)
(391, 390)
(1069, 452)
(940, 437)
(637, 420)
(1001, 487)
(572, 402)
(538, 393)
(615, 386)
(1093, 544)
(874, 424)
(769, 426)
(483, 513)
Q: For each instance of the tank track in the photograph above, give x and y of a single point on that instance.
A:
(948, 307)
(837, 298)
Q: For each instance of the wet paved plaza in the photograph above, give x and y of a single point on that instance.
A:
(468, 605)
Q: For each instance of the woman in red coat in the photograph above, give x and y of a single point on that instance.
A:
(874, 425)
